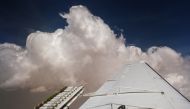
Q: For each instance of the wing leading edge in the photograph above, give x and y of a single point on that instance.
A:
(137, 86)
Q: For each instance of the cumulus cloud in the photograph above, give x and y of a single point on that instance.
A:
(86, 49)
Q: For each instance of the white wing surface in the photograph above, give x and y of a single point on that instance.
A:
(137, 86)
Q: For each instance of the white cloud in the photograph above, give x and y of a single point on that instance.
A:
(84, 50)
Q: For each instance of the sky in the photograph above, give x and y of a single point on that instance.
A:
(144, 23)
(87, 45)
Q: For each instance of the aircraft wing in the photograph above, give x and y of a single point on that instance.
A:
(136, 86)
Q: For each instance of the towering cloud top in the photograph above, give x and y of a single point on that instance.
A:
(85, 50)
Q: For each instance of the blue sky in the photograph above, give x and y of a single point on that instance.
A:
(144, 23)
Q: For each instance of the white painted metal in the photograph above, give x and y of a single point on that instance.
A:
(63, 99)
(137, 86)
